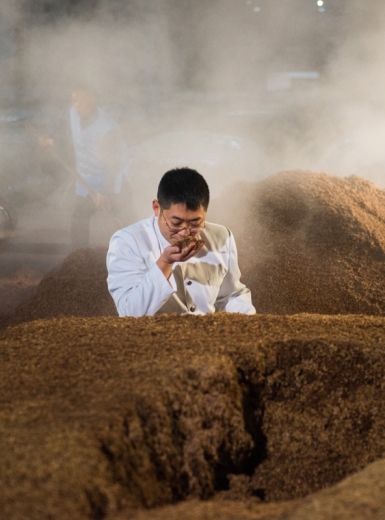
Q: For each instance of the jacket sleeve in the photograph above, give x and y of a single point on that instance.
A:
(137, 290)
(233, 295)
(114, 157)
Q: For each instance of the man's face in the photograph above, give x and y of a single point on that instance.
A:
(178, 222)
(83, 102)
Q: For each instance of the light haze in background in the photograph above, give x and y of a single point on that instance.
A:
(236, 89)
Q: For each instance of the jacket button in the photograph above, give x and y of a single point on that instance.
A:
(189, 282)
(192, 308)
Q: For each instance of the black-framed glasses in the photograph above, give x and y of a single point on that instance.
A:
(192, 228)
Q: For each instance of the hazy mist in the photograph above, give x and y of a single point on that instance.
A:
(291, 84)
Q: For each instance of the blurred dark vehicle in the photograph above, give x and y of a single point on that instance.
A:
(220, 158)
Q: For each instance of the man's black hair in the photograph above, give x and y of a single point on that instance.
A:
(183, 186)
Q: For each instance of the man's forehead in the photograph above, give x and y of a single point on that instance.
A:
(181, 211)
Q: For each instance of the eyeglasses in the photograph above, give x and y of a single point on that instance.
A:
(193, 228)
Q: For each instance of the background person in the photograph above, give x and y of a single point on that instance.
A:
(149, 274)
(92, 143)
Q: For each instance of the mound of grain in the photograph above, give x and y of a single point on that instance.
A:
(77, 288)
(104, 414)
(309, 242)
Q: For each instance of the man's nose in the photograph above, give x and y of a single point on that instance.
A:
(185, 230)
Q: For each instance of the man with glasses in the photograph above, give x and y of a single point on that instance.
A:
(150, 274)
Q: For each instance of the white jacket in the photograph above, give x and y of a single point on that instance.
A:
(207, 282)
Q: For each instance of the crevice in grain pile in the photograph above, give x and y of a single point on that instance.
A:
(253, 412)
(188, 444)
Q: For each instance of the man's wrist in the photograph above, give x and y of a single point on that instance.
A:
(165, 267)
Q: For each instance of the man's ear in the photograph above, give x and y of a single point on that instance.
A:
(156, 207)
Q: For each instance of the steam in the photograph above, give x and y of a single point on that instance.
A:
(171, 66)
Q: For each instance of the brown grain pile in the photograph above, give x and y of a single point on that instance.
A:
(309, 242)
(104, 417)
(77, 288)
(16, 287)
(106, 414)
